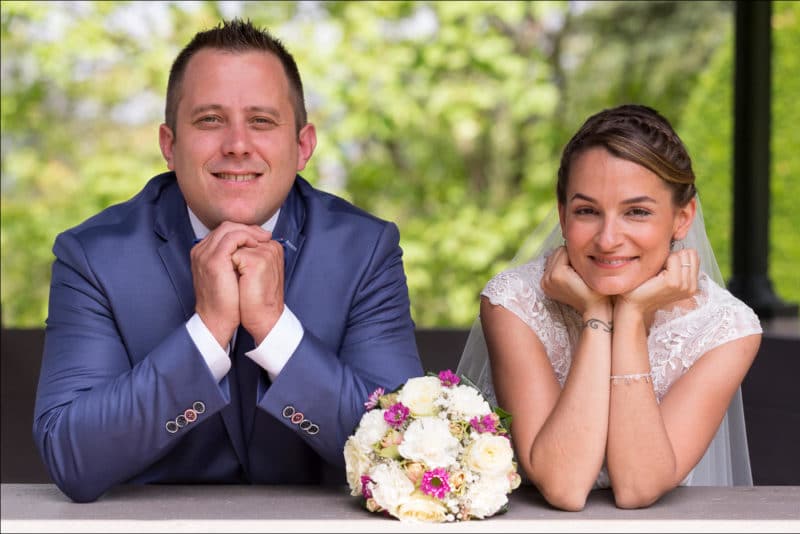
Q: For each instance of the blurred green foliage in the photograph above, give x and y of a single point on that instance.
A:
(707, 130)
(446, 117)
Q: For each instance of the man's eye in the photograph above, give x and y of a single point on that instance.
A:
(209, 119)
(263, 121)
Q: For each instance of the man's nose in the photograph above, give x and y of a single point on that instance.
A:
(237, 140)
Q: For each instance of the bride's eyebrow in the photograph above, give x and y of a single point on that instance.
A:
(633, 200)
(639, 200)
(581, 196)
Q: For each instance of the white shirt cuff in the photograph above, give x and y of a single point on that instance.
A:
(216, 357)
(279, 345)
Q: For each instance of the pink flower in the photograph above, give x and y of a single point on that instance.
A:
(372, 400)
(448, 378)
(366, 491)
(487, 423)
(435, 483)
(396, 415)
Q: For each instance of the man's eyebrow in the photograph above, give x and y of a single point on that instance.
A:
(206, 107)
(264, 109)
(257, 109)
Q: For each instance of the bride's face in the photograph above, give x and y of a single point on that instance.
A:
(618, 221)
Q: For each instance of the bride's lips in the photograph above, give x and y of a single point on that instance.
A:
(612, 262)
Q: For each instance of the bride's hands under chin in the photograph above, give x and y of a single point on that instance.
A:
(675, 282)
(562, 283)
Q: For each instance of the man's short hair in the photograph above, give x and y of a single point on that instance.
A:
(235, 36)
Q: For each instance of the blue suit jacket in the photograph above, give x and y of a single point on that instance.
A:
(119, 364)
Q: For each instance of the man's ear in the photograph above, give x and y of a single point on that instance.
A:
(306, 142)
(166, 139)
(683, 220)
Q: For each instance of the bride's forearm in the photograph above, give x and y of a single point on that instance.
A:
(641, 461)
(569, 449)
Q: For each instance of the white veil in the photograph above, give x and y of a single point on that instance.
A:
(727, 460)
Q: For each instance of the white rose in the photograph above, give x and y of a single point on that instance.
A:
(487, 496)
(419, 395)
(490, 455)
(428, 440)
(391, 487)
(370, 430)
(356, 464)
(467, 401)
(419, 507)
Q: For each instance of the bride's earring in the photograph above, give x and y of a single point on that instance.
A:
(675, 245)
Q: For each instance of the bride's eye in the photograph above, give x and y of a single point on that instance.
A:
(639, 212)
(584, 210)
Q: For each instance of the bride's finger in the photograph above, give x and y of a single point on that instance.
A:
(693, 271)
(560, 257)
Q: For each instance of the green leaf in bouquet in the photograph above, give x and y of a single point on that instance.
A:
(390, 452)
(505, 417)
(386, 401)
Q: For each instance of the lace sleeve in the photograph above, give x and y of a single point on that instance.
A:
(728, 319)
(518, 291)
(678, 339)
(556, 325)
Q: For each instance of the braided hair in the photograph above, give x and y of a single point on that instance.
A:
(638, 134)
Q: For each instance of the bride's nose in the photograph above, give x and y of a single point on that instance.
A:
(609, 235)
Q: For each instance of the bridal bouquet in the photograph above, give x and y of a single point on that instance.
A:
(433, 450)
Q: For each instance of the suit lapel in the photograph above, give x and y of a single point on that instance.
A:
(173, 227)
(290, 228)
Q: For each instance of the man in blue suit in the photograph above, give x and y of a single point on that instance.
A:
(226, 324)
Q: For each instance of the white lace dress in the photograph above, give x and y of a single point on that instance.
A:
(676, 340)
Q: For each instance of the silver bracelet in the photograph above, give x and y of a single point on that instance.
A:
(615, 379)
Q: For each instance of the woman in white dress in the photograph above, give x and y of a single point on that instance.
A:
(615, 349)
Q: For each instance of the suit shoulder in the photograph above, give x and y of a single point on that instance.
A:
(120, 214)
(341, 211)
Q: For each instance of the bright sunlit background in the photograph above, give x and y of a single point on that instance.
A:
(445, 117)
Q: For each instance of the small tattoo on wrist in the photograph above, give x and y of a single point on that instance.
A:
(597, 324)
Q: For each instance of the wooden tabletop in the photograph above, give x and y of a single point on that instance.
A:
(234, 508)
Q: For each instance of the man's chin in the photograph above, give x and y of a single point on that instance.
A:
(248, 218)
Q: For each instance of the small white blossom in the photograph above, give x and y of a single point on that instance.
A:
(391, 487)
(428, 440)
(487, 496)
(468, 402)
(419, 507)
(489, 454)
(419, 395)
(371, 430)
(356, 464)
